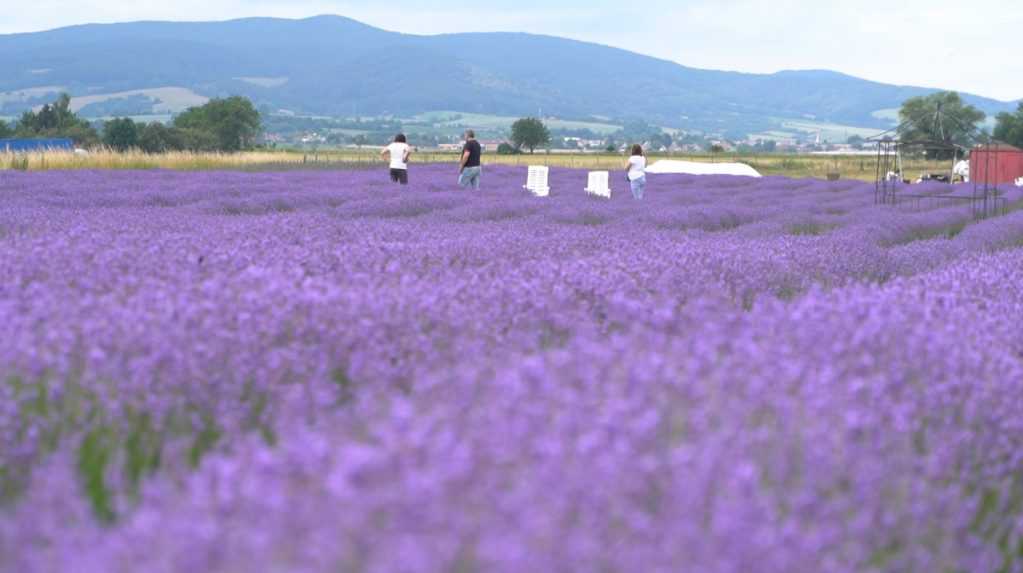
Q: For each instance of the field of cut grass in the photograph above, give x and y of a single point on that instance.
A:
(169, 99)
(29, 93)
(786, 129)
(848, 167)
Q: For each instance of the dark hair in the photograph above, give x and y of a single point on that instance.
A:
(637, 149)
(470, 134)
(400, 138)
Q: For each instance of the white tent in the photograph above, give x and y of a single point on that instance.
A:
(695, 168)
(962, 169)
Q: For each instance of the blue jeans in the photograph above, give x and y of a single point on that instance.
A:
(638, 186)
(470, 177)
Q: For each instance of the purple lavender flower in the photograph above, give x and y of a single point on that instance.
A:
(318, 371)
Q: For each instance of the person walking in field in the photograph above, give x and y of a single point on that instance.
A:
(636, 167)
(398, 152)
(469, 167)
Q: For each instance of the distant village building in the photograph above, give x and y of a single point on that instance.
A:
(581, 143)
(487, 145)
(490, 144)
(726, 146)
(313, 138)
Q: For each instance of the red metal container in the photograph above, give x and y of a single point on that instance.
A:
(996, 163)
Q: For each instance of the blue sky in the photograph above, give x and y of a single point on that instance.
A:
(969, 46)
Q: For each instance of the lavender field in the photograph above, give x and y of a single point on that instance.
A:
(319, 372)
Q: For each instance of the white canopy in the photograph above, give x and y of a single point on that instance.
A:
(695, 168)
(962, 169)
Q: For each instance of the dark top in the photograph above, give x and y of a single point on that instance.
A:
(473, 147)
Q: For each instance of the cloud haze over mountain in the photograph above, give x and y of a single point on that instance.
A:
(937, 43)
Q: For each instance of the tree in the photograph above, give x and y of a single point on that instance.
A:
(1010, 127)
(82, 134)
(158, 138)
(856, 141)
(121, 134)
(506, 149)
(5, 130)
(56, 120)
(530, 132)
(198, 140)
(659, 140)
(233, 122)
(942, 118)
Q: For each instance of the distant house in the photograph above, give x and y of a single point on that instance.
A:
(581, 143)
(485, 145)
(726, 146)
(490, 144)
(30, 145)
(313, 138)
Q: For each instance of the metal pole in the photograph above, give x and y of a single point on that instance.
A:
(877, 173)
(987, 178)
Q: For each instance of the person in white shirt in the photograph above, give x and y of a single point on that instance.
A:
(398, 154)
(637, 171)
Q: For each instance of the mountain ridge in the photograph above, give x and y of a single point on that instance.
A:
(333, 65)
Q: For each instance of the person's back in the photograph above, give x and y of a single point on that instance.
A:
(637, 167)
(398, 153)
(469, 168)
(475, 151)
(637, 171)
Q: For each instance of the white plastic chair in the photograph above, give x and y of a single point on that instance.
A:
(537, 181)
(597, 184)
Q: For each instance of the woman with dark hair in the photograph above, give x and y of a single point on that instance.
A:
(398, 152)
(636, 167)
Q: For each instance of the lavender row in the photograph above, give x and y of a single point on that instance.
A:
(860, 429)
(733, 375)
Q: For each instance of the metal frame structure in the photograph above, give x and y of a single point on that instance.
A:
(986, 199)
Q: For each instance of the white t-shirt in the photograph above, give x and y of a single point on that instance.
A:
(398, 151)
(637, 167)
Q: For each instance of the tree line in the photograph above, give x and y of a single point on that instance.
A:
(959, 122)
(54, 120)
(233, 124)
(221, 125)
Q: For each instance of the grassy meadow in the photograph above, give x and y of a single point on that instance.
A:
(812, 166)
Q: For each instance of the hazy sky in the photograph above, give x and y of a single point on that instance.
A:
(970, 46)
